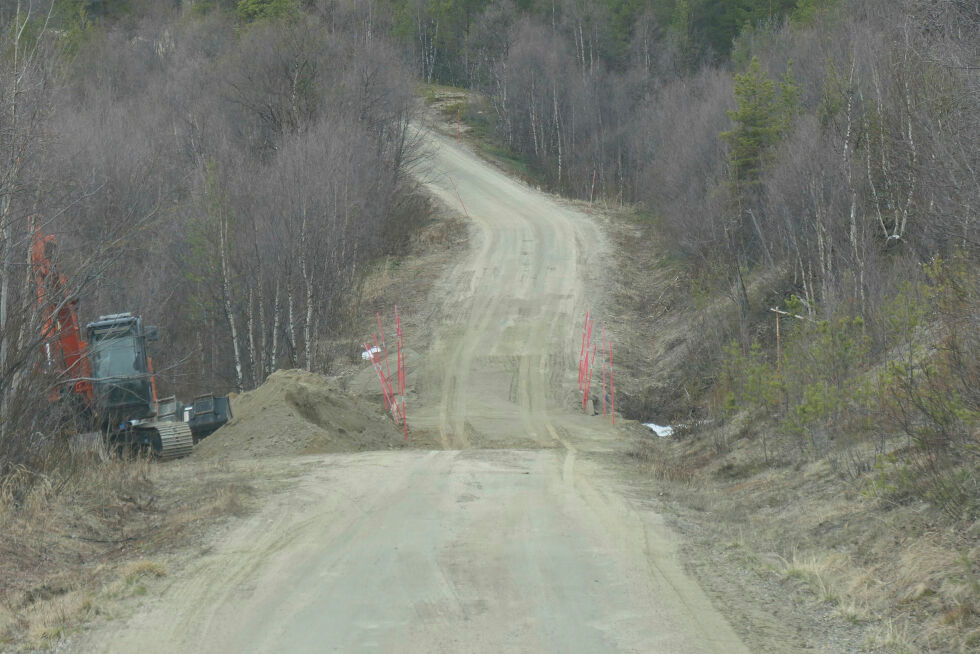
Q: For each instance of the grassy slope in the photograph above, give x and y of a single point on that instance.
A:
(802, 540)
(82, 542)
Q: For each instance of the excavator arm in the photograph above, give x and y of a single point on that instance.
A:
(62, 345)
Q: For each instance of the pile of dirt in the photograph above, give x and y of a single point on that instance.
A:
(298, 412)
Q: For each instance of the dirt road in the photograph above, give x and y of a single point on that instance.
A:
(515, 538)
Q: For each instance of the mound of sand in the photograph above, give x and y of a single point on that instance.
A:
(298, 412)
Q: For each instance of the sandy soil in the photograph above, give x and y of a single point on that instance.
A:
(516, 537)
(298, 412)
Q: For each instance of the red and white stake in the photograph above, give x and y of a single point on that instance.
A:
(401, 360)
(581, 354)
(384, 346)
(385, 389)
(588, 380)
(612, 386)
(603, 372)
(391, 397)
(458, 196)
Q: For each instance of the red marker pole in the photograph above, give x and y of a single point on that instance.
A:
(588, 383)
(401, 357)
(374, 362)
(455, 188)
(612, 385)
(384, 345)
(459, 126)
(603, 372)
(381, 376)
(581, 354)
(400, 363)
(588, 343)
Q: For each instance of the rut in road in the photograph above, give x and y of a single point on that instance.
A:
(515, 538)
(501, 358)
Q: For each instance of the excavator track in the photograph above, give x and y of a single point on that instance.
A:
(173, 439)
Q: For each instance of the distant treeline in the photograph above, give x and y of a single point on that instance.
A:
(225, 174)
(818, 157)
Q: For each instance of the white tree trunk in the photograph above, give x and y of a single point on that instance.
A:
(263, 353)
(291, 321)
(554, 92)
(276, 325)
(308, 281)
(5, 255)
(252, 354)
(226, 297)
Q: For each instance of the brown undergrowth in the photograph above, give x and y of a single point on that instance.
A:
(405, 281)
(861, 573)
(807, 535)
(89, 533)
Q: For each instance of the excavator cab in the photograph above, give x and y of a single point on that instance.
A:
(121, 375)
(110, 377)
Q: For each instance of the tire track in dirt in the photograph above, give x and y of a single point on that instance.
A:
(522, 290)
(519, 541)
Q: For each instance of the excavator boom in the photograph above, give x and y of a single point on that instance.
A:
(62, 344)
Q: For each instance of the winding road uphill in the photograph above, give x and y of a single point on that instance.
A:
(516, 537)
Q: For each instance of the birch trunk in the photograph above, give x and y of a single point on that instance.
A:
(554, 92)
(4, 300)
(252, 354)
(226, 296)
(276, 325)
(308, 280)
(852, 189)
(263, 353)
(291, 322)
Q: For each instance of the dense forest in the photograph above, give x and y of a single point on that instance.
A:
(226, 168)
(222, 175)
(817, 158)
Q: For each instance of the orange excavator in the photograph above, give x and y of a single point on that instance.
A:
(108, 377)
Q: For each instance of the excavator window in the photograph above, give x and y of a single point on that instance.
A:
(116, 354)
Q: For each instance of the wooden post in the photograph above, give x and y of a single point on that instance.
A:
(779, 340)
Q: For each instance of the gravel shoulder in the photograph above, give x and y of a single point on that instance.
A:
(515, 534)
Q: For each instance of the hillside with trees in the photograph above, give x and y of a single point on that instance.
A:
(806, 171)
(814, 157)
(222, 174)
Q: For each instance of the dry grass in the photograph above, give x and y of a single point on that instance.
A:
(405, 281)
(86, 535)
(137, 570)
(882, 578)
(820, 573)
(895, 636)
(49, 621)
